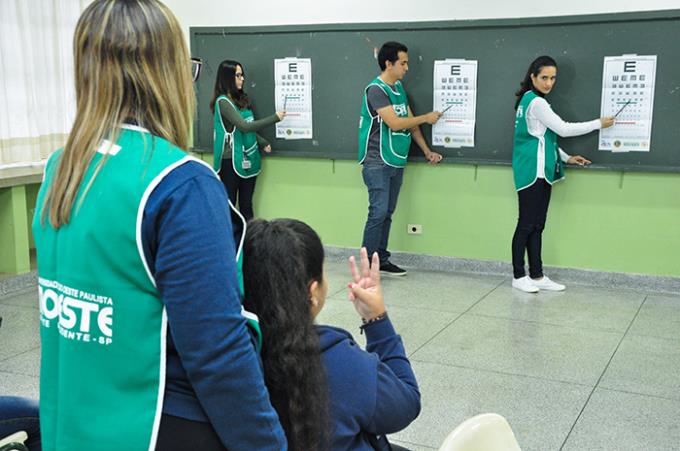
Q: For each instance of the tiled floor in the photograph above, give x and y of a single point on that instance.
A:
(586, 369)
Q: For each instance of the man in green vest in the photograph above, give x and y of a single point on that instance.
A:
(386, 128)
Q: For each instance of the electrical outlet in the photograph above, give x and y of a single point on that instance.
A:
(414, 229)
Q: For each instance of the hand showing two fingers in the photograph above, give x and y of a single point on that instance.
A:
(365, 291)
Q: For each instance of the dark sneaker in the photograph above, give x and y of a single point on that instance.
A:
(391, 268)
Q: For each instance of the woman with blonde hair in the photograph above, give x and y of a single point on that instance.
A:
(143, 342)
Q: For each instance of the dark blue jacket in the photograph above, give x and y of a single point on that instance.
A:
(372, 392)
(213, 373)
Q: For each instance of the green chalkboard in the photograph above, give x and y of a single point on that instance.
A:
(343, 63)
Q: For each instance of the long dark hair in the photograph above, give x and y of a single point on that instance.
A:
(281, 258)
(535, 69)
(225, 84)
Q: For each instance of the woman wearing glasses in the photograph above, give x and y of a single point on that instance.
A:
(237, 144)
(143, 342)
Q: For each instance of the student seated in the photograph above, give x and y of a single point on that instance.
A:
(328, 392)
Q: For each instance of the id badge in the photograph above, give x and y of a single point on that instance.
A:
(246, 164)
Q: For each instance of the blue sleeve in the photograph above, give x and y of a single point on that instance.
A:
(187, 238)
(20, 414)
(398, 397)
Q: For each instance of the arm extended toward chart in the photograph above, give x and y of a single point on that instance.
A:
(397, 123)
(231, 117)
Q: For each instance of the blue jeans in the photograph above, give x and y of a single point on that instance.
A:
(383, 183)
(20, 414)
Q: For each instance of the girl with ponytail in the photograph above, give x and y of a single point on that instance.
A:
(329, 393)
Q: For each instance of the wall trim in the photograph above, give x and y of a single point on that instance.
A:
(569, 276)
(18, 284)
(600, 279)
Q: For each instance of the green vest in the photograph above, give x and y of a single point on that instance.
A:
(246, 161)
(103, 325)
(245, 153)
(525, 150)
(394, 146)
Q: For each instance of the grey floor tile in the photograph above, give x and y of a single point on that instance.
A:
(338, 276)
(28, 299)
(578, 306)
(20, 330)
(658, 317)
(506, 355)
(442, 291)
(645, 365)
(625, 421)
(524, 348)
(416, 326)
(540, 412)
(19, 385)
(27, 363)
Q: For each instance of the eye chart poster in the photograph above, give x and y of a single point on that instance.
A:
(628, 93)
(293, 93)
(455, 95)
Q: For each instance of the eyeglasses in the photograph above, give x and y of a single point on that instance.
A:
(196, 64)
(240, 75)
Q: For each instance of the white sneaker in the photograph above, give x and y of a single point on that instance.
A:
(525, 284)
(547, 284)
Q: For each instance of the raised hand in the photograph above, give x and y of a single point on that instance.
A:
(365, 291)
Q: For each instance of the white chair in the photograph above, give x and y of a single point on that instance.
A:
(485, 432)
(14, 442)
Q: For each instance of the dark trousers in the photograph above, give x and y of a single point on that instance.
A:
(180, 434)
(533, 211)
(398, 448)
(20, 414)
(241, 190)
(383, 183)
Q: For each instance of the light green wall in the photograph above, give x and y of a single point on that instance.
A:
(14, 235)
(608, 221)
(31, 196)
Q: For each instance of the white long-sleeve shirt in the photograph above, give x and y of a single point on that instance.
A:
(541, 117)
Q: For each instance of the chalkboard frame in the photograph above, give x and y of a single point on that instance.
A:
(665, 131)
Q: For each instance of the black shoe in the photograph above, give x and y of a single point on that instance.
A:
(391, 268)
